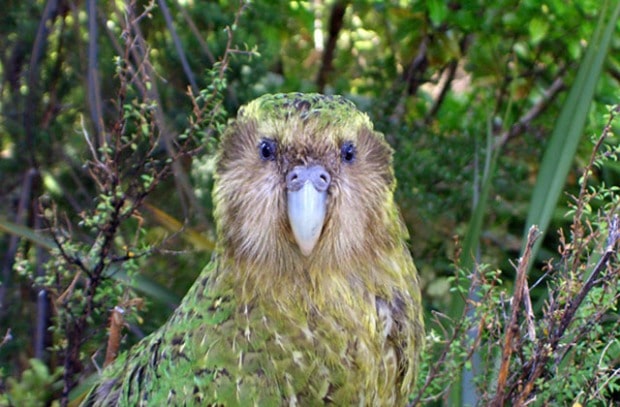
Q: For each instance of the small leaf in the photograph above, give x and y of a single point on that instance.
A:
(437, 11)
(538, 29)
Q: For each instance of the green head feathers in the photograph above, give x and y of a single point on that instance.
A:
(328, 110)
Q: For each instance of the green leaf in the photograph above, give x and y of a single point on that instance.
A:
(437, 11)
(538, 29)
(26, 233)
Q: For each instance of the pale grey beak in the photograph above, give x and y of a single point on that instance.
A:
(307, 204)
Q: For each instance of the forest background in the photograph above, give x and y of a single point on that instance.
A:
(501, 113)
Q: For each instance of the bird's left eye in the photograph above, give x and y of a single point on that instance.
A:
(267, 149)
(347, 152)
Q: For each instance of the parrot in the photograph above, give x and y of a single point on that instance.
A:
(311, 296)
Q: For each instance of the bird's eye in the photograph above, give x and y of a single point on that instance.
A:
(347, 152)
(267, 149)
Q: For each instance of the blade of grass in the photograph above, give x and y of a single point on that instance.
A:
(26, 233)
(463, 390)
(195, 238)
(560, 152)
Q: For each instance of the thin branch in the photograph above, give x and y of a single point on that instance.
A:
(529, 313)
(524, 122)
(447, 84)
(412, 80)
(512, 329)
(452, 68)
(117, 321)
(612, 240)
(576, 227)
(335, 25)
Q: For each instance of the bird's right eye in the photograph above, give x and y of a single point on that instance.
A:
(267, 149)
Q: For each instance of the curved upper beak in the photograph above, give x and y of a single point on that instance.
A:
(307, 204)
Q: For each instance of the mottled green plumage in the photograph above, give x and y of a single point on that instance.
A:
(267, 325)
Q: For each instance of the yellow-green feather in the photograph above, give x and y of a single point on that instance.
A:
(334, 110)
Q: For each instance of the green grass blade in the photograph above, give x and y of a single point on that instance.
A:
(560, 152)
(26, 233)
(463, 390)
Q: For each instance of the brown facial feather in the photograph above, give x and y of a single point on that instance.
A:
(252, 191)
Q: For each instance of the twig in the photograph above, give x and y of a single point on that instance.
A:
(411, 77)
(583, 188)
(529, 313)
(117, 321)
(437, 366)
(7, 337)
(335, 25)
(522, 124)
(447, 83)
(69, 291)
(612, 240)
(512, 329)
(42, 333)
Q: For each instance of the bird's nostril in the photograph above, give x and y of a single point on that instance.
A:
(322, 179)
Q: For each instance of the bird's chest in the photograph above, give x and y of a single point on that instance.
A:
(318, 351)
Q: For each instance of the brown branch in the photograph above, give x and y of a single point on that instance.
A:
(411, 80)
(512, 329)
(435, 369)
(444, 91)
(452, 68)
(117, 321)
(335, 25)
(417, 67)
(524, 122)
(529, 313)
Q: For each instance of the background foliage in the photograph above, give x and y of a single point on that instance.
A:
(110, 112)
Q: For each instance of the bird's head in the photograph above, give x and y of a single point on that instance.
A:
(304, 179)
